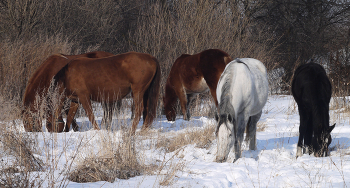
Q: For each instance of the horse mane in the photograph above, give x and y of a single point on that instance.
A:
(225, 103)
(225, 99)
(240, 61)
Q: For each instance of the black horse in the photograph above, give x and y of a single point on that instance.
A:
(312, 91)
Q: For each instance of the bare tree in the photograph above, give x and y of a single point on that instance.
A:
(306, 29)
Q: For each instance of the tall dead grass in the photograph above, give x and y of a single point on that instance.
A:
(19, 59)
(189, 27)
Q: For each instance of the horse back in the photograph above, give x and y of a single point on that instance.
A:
(41, 78)
(311, 83)
(93, 54)
(213, 63)
(111, 74)
(244, 85)
(192, 71)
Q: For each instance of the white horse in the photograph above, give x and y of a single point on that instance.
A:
(242, 93)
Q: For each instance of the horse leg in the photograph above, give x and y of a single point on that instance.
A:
(251, 130)
(169, 101)
(70, 116)
(190, 98)
(57, 125)
(308, 136)
(240, 128)
(118, 106)
(302, 131)
(86, 103)
(107, 114)
(213, 94)
(105, 111)
(138, 103)
(110, 114)
(132, 110)
(132, 107)
(183, 102)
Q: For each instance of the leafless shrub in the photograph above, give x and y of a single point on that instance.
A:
(172, 29)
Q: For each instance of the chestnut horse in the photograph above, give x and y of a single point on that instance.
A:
(39, 83)
(191, 75)
(110, 79)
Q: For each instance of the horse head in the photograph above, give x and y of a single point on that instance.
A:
(169, 108)
(225, 136)
(321, 143)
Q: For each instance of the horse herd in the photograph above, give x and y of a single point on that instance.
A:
(239, 88)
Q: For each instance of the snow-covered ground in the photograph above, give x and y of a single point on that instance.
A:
(273, 164)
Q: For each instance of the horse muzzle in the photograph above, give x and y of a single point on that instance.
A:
(220, 159)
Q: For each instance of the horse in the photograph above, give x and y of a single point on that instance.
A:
(242, 93)
(39, 84)
(191, 75)
(312, 91)
(110, 79)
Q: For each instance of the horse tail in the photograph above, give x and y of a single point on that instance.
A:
(151, 96)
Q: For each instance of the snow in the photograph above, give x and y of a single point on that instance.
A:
(273, 164)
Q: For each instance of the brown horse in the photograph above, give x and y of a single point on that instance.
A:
(191, 75)
(39, 83)
(110, 79)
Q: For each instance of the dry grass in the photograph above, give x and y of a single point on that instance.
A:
(202, 138)
(18, 159)
(122, 162)
(173, 168)
(261, 126)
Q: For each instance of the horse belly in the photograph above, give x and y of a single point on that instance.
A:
(197, 86)
(110, 94)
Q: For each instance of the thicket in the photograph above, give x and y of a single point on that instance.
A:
(281, 33)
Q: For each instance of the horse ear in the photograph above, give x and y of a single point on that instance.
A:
(330, 129)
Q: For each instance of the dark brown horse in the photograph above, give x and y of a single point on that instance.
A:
(110, 79)
(39, 83)
(191, 75)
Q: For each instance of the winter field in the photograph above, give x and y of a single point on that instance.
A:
(164, 158)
